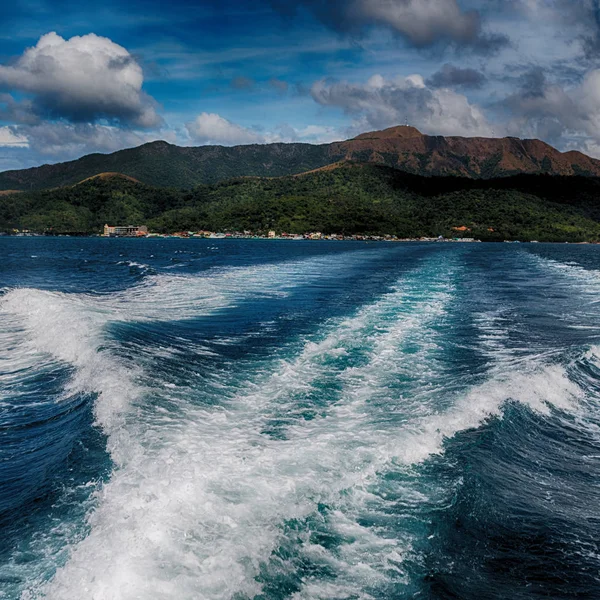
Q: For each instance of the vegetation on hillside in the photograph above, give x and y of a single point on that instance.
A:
(165, 165)
(350, 199)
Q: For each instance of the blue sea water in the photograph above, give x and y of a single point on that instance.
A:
(221, 419)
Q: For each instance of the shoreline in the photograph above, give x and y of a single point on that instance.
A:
(363, 239)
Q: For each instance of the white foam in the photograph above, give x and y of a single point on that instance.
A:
(587, 281)
(540, 389)
(198, 504)
(71, 327)
(134, 264)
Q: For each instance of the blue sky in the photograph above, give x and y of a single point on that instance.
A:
(79, 77)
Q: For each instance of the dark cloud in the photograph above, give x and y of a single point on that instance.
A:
(580, 19)
(591, 39)
(451, 76)
(422, 23)
(533, 83)
(543, 108)
(17, 112)
(489, 43)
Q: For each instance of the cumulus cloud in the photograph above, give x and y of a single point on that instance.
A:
(451, 76)
(313, 134)
(382, 102)
(12, 139)
(82, 79)
(211, 128)
(552, 112)
(420, 22)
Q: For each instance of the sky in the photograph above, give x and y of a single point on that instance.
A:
(79, 77)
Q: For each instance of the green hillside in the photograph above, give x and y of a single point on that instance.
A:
(350, 199)
(164, 165)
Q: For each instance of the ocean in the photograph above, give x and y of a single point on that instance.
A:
(222, 419)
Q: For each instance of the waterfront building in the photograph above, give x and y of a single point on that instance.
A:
(125, 231)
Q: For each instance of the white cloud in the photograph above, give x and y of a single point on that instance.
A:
(310, 134)
(10, 138)
(382, 102)
(211, 128)
(319, 134)
(85, 78)
(554, 112)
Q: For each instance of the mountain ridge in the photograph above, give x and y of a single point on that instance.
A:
(405, 148)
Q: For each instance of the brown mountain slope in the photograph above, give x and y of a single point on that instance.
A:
(405, 148)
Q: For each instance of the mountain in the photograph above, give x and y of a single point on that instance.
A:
(408, 149)
(348, 198)
(166, 165)
(404, 148)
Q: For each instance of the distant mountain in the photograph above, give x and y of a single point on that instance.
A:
(404, 148)
(408, 149)
(347, 198)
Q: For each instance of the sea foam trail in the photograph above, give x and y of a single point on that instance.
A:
(226, 490)
(433, 411)
(571, 280)
(70, 328)
(201, 503)
(368, 561)
(196, 512)
(50, 329)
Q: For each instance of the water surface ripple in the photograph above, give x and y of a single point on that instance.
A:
(221, 419)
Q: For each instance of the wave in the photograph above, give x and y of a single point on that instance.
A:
(71, 328)
(68, 328)
(375, 450)
(132, 264)
(201, 500)
(587, 281)
(208, 475)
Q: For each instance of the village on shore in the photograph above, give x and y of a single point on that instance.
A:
(142, 231)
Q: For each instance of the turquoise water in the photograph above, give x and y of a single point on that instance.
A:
(221, 419)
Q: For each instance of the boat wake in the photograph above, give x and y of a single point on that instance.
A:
(295, 471)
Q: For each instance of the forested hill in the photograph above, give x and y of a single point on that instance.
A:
(404, 148)
(349, 198)
(165, 165)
